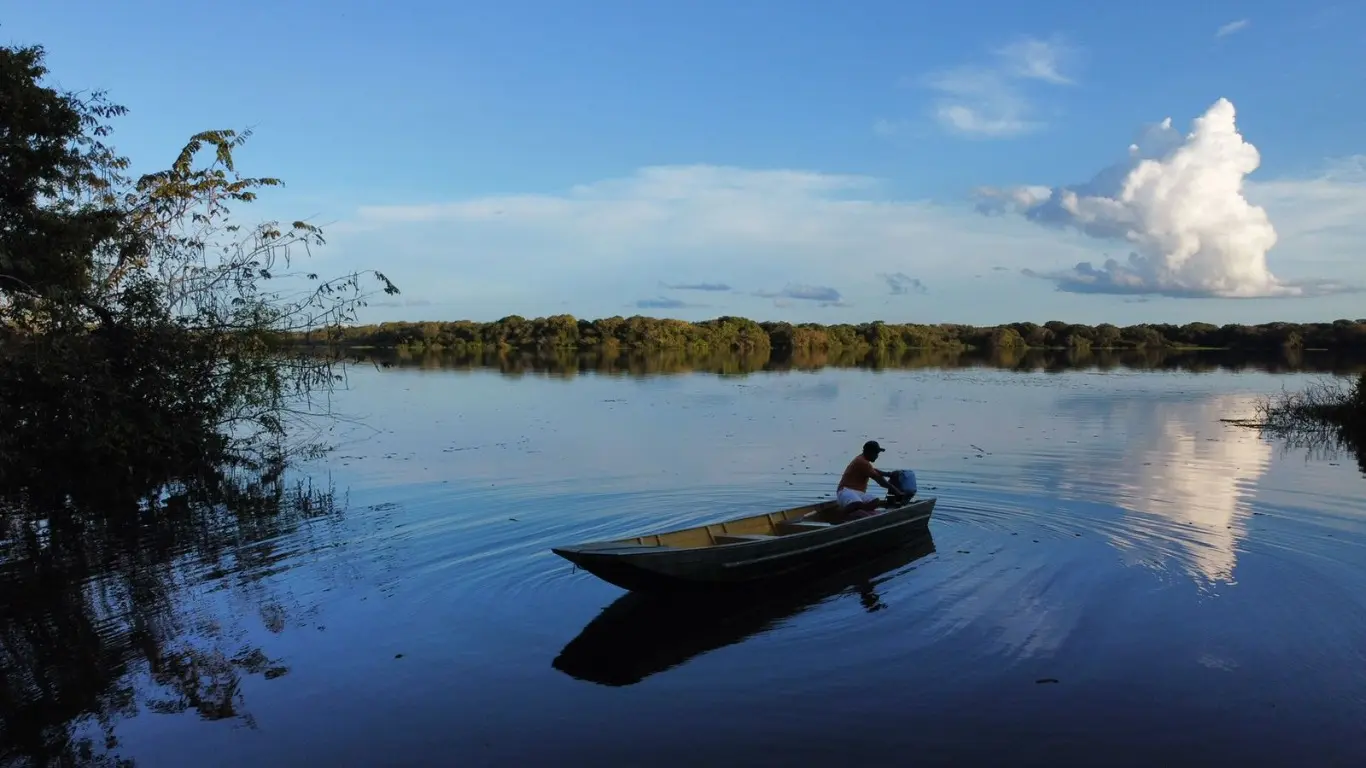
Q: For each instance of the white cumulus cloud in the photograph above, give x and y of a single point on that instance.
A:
(1180, 203)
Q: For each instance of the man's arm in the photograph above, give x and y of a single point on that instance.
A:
(885, 481)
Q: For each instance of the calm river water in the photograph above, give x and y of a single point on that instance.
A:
(1114, 577)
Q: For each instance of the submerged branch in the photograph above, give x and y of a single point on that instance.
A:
(1326, 418)
(1333, 404)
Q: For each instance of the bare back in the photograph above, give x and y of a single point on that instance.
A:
(858, 473)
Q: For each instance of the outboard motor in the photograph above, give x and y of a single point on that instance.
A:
(905, 480)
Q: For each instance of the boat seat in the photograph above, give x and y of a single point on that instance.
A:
(740, 538)
(798, 526)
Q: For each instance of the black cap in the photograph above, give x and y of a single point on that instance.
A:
(872, 447)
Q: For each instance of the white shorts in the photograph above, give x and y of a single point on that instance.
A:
(846, 496)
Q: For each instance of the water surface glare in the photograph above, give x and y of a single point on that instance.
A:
(1113, 576)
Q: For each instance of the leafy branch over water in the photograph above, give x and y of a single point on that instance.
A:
(140, 325)
(146, 406)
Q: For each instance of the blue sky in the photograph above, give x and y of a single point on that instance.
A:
(821, 161)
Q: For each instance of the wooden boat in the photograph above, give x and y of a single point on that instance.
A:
(746, 549)
(644, 633)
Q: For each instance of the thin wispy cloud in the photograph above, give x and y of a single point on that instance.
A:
(664, 303)
(1033, 59)
(821, 295)
(392, 303)
(696, 286)
(902, 284)
(1350, 169)
(885, 128)
(979, 102)
(1232, 27)
(993, 100)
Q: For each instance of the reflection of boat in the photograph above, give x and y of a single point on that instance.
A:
(641, 634)
(747, 548)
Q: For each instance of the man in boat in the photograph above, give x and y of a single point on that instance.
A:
(852, 494)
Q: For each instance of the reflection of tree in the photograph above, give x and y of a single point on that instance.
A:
(618, 362)
(1319, 442)
(100, 618)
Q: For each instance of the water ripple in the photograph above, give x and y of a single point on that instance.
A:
(1103, 530)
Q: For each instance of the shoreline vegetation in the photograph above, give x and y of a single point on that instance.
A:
(565, 345)
(742, 335)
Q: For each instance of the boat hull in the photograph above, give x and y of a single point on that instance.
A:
(638, 567)
(642, 634)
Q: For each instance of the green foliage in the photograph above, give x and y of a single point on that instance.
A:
(785, 339)
(1006, 338)
(140, 326)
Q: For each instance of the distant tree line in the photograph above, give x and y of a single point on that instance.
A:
(737, 334)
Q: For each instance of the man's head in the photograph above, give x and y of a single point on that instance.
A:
(871, 450)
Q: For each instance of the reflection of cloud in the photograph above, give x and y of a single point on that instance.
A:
(1167, 480)
(1179, 472)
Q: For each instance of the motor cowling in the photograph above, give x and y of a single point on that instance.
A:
(904, 479)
